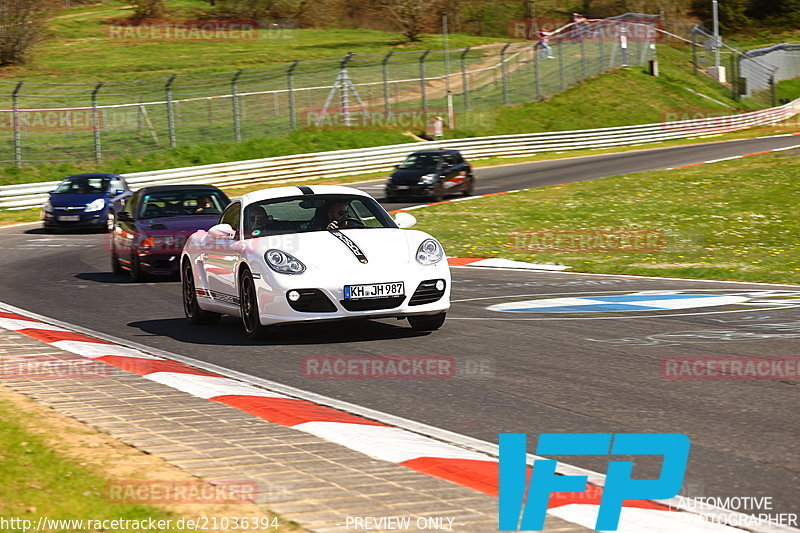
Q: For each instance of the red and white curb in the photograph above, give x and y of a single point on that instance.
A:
(498, 262)
(418, 452)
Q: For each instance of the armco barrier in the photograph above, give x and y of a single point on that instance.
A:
(382, 158)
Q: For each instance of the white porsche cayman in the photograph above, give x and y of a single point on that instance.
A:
(294, 254)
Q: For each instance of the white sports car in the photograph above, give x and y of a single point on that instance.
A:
(294, 254)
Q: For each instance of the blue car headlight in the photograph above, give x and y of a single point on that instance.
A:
(95, 205)
(429, 252)
(284, 263)
(48, 207)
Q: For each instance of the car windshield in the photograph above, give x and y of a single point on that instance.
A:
(83, 185)
(301, 214)
(182, 203)
(420, 162)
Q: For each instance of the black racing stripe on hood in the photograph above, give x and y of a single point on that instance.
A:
(347, 241)
(305, 190)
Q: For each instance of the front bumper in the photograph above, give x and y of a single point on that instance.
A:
(408, 190)
(161, 263)
(275, 307)
(54, 219)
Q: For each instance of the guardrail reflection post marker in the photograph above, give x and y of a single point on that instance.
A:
(173, 142)
(385, 70)
(237, 129)
(422, 83)
(15, 119)
(98, 156)
(290, 87)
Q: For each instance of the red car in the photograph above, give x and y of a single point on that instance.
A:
(150, 230)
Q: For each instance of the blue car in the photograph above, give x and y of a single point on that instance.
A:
(85, 201)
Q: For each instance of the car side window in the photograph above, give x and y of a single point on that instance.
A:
(231, 215)
(458, 159)
(448, 161)
(116, 185)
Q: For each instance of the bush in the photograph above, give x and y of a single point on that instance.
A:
(21, 26)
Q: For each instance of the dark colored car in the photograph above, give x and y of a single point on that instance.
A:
(431, 174)
(151, 229)
(85, 201)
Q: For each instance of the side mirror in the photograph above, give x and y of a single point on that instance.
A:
(222, 231)
(119, 191)
(404, 220)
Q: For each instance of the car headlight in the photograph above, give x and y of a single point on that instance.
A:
(48, 207)
(428, 179)
(429, 252)
(284, 263)
(95, 205)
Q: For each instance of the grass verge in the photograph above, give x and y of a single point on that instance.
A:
(60, 469)
(733, 220)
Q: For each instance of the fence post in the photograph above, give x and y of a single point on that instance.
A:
(772, 89)
(623, 44)
(601, 50)
(504, 72)
(583, 58)
(173, 142)
(385, 70)
(561, 77)
(290, 86)
(694, 50)
(98, 155)
(536, 76)
(237, 126)
(464, 78)
(422, 82)
(15, 119)
(733, 78)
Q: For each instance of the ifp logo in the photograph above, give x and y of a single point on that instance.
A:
(520, 513)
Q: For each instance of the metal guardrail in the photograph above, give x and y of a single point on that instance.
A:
(382, 158)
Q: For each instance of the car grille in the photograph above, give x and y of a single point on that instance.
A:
(312, 301)
(427, 292)
(372, 304)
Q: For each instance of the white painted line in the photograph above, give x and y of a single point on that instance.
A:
(93, 350)
(786, 148)
(13, 324)
(723, 159)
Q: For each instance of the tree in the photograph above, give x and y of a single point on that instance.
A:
(21, 26)
(147, 9)
(411, 16)
(732, 13)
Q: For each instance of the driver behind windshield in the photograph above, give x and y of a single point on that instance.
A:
(337, 212)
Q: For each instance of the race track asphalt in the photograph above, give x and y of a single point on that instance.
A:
(530, 371)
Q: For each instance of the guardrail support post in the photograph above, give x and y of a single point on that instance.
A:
(422, 83)
(387, 110)
(464, 78)
(173, 142)
(290, 87)
(15, 120)
(237, 126)
(504, 72)
(98, 155)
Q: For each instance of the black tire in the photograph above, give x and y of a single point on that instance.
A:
(470, 189)
(426, 322)
(48, 229)
(136, 272)
(248, 305)
(191, 308)
(438, 192)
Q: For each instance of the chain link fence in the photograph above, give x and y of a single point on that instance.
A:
(405, 90)
(751, 74)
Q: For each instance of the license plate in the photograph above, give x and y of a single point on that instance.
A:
(375, 290)
(69, 218)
